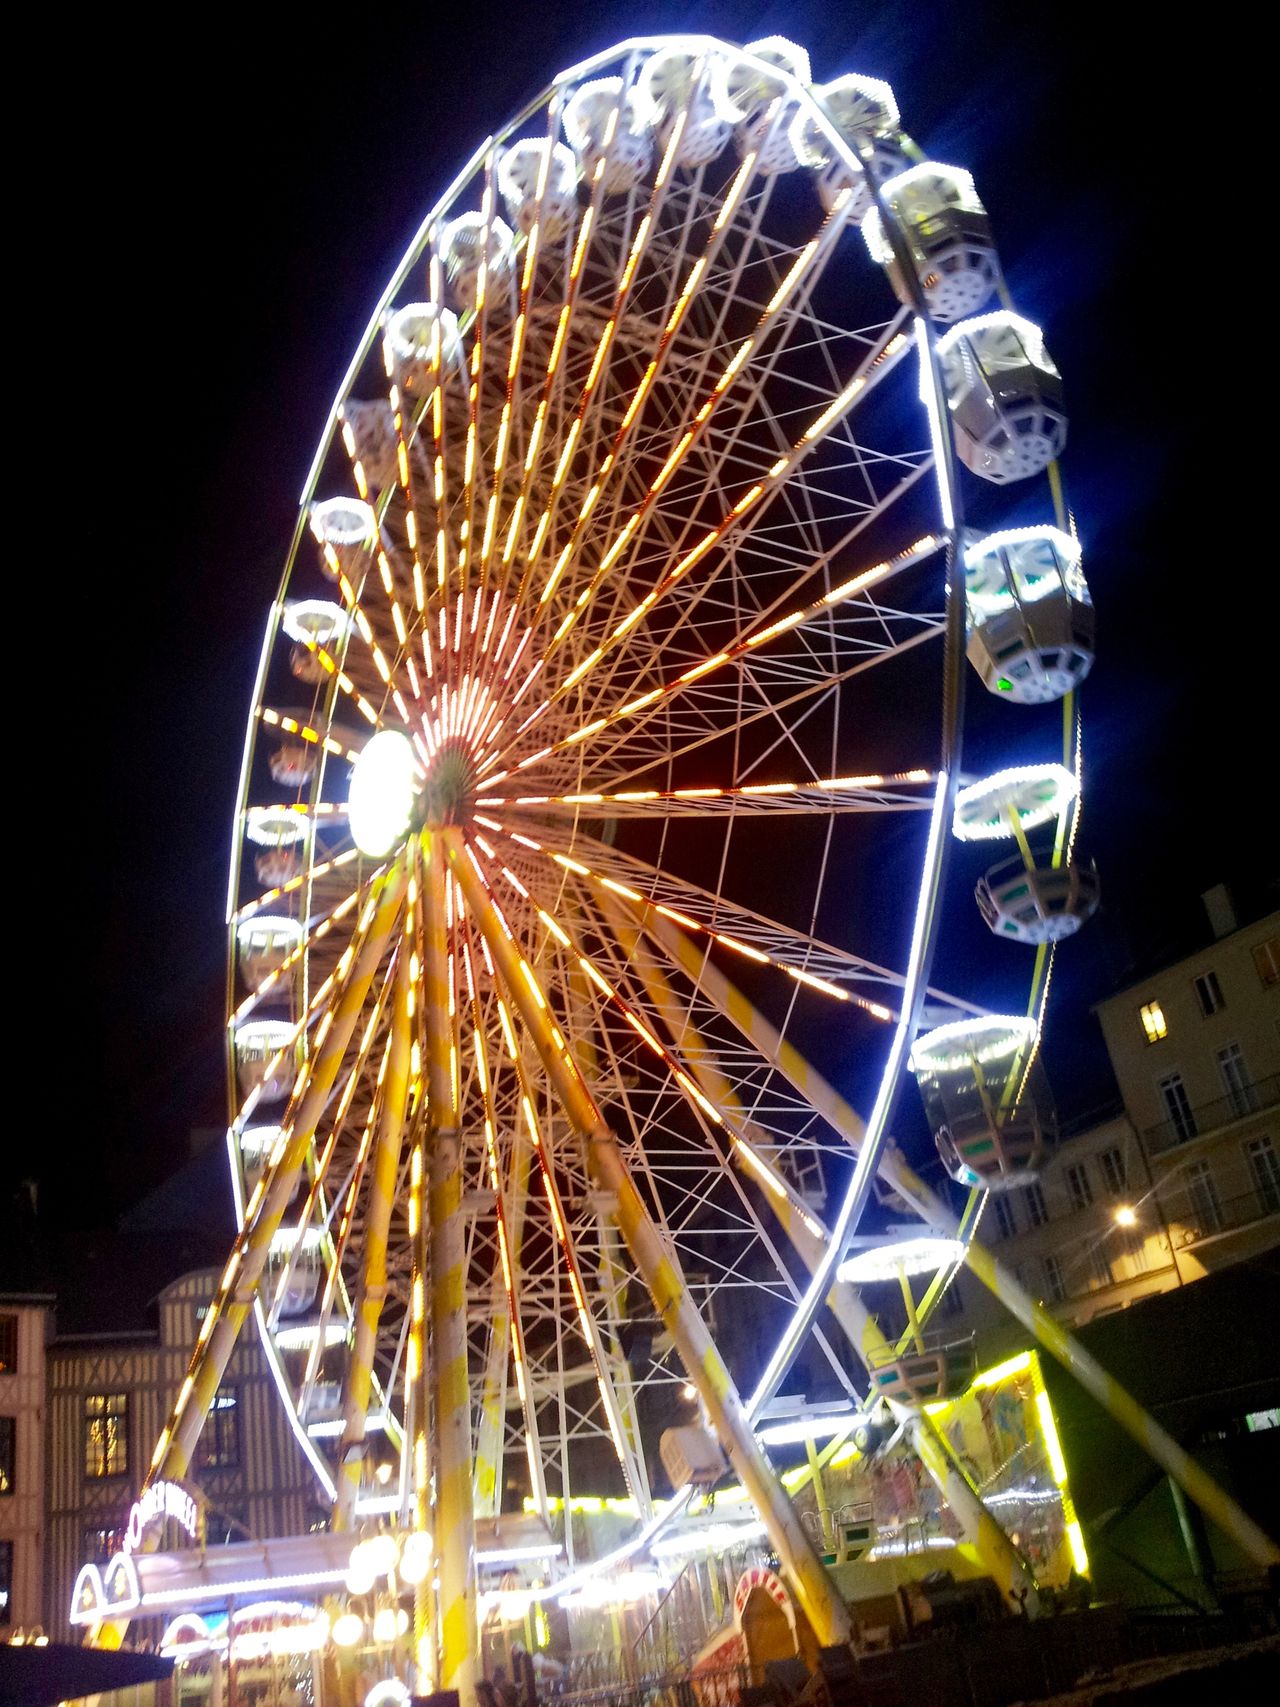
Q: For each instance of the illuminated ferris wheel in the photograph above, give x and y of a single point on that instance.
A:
(603, 758)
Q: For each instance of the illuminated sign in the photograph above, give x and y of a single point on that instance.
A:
(161, 1500)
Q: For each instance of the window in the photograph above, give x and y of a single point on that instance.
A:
(1235, 1079)
(1077, 1177)
(1006, 1220)
(1099, 1267)
(1266, 962)
(1205, 1207)
(1037, 1213)
(1264, 1165)
(1152, 1016)
(225, 1522)
(1055, 1285)
(8, 1453)
(1208, 993)
(220, 1437)
(1135, 1248)
(99, 1544)
(106, 1434)
(1114, 1174)
(8, 1345)
(1177, 1106)
(6, 1579)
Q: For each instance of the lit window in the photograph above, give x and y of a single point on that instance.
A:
(1037, 1211)
(1077, 1178)
(8, 1345)
(8, 1453)
(1266, 961)
(106, 1434)
(1113, 1172)
(1208, 993)
(1152, 1016)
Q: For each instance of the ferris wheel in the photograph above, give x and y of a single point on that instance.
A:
(602, 765)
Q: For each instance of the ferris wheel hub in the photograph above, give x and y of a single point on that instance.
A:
(448, 792)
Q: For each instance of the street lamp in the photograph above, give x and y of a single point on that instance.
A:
(1125, 1215)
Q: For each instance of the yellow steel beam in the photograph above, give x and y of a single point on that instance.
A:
(1213, 1500)
(455, 1516)
(240, 1278)
(1004, 1562)
(373, 1279)
(813, 1588)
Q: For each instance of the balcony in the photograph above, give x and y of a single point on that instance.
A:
(1207, 1117)
(1195, 1218)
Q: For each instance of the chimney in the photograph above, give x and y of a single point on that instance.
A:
(1221, 910)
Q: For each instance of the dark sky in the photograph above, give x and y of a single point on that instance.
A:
(218, 210)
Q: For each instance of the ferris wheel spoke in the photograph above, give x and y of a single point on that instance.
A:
(873, 987)
(856, 588)
(394, 1096)
(290, 725)
(609, 1372)
(809, 259)
(870, 373)
(871, 793)
(315, 934)
(598, 367)
(727, 592)
(507, 1333)
(234, 1296)
(677, 1175)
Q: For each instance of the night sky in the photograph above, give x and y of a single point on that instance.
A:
(231, 204)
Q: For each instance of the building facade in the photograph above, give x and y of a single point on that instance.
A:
(109, 1396)
(1185, 1179)
(24, 1328)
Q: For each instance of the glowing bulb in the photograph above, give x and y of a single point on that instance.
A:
(1125, 1216)
(392, 1693)
(348, 1629)
(415, 1555)
(359, 1579)
(384, 1624)
(382, 793)
(688, 1391)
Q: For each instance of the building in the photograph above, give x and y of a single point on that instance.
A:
(1183, 1179)
(24, 1326)
(109, 1394)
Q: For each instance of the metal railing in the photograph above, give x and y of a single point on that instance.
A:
(1191, 1220)
(1207, 1117)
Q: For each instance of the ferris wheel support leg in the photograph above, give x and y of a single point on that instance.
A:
(455, 1515)
(240, 1278)
(1004, 1563)
(373, 1280)
(1195, 1482)
(814, 1589)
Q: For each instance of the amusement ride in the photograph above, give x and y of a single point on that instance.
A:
(603, 782)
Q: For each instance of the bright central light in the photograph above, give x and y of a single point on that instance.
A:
(919, 1254)
(383, 792)
(1125, 1216)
